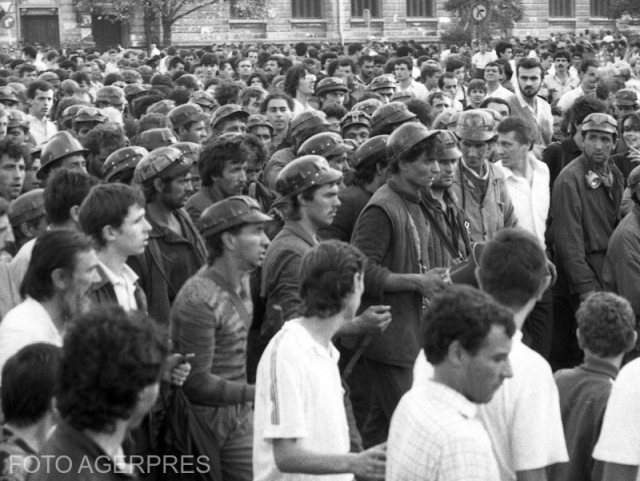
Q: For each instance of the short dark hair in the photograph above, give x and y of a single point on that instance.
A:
(216, 154)
(523, 132)
(562, 53)
(11, 149)
(494, 100)
(477, 84)
(248, 93)
(501, 47)
(446, 75)
(411, 155)
(453, 64)
(277, 96)
(292, 78)
(580, 110)
(586, 63)
(55, 249)
(153, 121)
(607, 324)
(512, 267)
(107, 204)
(404, 61)
(30, 50)
(173, 63)
(65, 189)
(326, 277)
(354, 48)
(108, 357)
(28, 383)
(227, 92)
(215, 245)
(109, 135)
(529, 63)
(464, 314)
(38, 85)
(507, 71)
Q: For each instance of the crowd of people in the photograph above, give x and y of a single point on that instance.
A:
(386, 261)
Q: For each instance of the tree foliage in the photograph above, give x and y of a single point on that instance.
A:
(620, 8)
(502, 14)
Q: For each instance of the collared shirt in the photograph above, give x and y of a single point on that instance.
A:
(570, 97)
(480, 60)
(418, 89)
(42, 130)
(530, 199)
(435, 434)
(541, 113)
(124, 286)
(557, 88)
(26, 324)
(299, 396)
(501, 93)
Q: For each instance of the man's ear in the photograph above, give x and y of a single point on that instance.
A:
(74, 213)
(455, 353)
(59, 278)
(157, 185)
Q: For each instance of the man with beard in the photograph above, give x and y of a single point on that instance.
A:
(114, 359)
(55, 288)
(526, 104)
(175, 250)
(585, 206)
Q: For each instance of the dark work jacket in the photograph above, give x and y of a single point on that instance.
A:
(198, 202)
(558, 155)
(103, 292)
(154, 266)
(624, 164)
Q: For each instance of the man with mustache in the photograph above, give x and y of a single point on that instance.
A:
(211, 318)
(175, 250)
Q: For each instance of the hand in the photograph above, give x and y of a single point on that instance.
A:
(370, 464)
(177, 368)
(634, 155)
(432, 282)
(374, 320)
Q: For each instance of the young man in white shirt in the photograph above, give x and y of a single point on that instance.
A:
(40, 96)
(435, 433)
(523, 418)
(300, 425)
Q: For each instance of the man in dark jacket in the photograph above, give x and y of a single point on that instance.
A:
(175, 250)
(585, 206)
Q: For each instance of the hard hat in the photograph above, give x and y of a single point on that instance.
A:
(121, 160)
(303, 173)
(61, 145)
(406, 137)
(326, 144)
(371, 152)
(476, 125)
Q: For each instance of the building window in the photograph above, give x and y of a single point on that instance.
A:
(600, 8)
(420, 8)
(561, 8)
(359, 6)
(306, 8)
(245, 10)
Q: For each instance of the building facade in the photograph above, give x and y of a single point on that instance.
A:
(85, 22)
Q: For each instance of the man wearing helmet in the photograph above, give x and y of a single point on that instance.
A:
(585, 207)
(175, 250)
(478, 184)
(62, 151)
(393, 233)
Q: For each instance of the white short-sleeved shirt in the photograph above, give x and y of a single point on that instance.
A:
(523, 418)
(435, 434)
(619, 440)
(299, 396)
(26, 324)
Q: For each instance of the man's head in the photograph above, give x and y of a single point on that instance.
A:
(365, 64)
(12, 169)
(499, 105)
(311, 186)
(188, 121)
(477, 91)
(331, 90)
(513, 269)
(410, 150)
(40, 95)
(60, 152)
(371, 161)
(599, 136)
(110, 369)
(476, 131)
(515, 139)
(448, 83)
(28, 385)
(606, 325)
(588, 73)
(430, 75)
(504, 50)
(6, 233)
(235, 227)
(250, 99)
(279, 109)
(62, 269)
(626, 102)
(562, 61)
(64, 194)
(530, 77)
(224, 163)
(86, 119)
(113, 216)
(448, 155)
(331, 280)
(244, 67)
(101, 142)
(165, 177)
(403, 68)
(27, 216)
(273, 66)
(467, 338)
(27, 73)
(230, 118)
(356, 126)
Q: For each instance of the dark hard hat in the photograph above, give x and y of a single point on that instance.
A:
(90, 114)
(405, 137)
(164, 162)
(121, 160)
(131, 76)
(326, 144)
(476, 125)
(600, 122)
(111, 95)
(627, 97)
(303, 173)
(330, 84)
(7, 93)
(382, 82)
(368, 106)
(154, 138)
(29, 206)
(259, 120)
(371, 152)
(226, 111)
(355, 117)
(230, 212)
(61, 145)
(403, 96)
(389, 114)
(447, 146)
(204, 99)
(190, 149)
(307, 120)
(133, 90)
(163, 107)
(186, 113)
(69, 113)
(17, 119)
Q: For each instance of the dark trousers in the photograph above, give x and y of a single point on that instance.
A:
(388, 384)
(565, 352)
(537, 332)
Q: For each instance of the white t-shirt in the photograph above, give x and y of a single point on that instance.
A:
(523, 418)
(619, 440)
(298, 395)
(26, 324)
